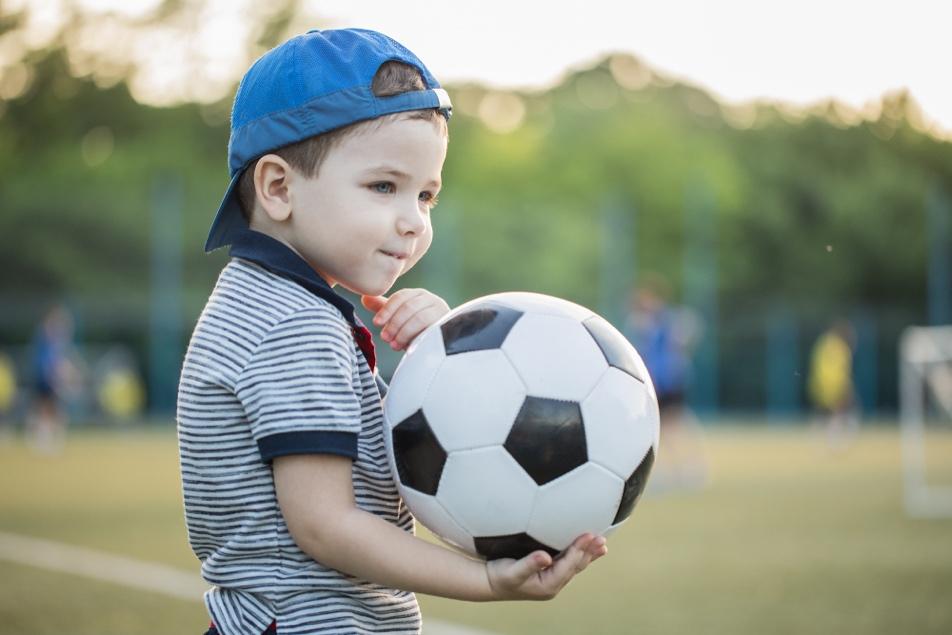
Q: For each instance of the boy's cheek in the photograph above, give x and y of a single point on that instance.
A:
(422, 247)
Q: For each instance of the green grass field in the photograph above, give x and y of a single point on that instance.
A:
(788, 537)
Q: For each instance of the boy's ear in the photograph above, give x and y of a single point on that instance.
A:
(272, 177)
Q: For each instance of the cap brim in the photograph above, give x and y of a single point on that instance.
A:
(228, 220)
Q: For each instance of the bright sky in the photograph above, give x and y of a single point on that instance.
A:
(798, 51)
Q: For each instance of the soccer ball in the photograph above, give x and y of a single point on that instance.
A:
(518, 422)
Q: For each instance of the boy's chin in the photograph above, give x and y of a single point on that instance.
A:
(371, 290)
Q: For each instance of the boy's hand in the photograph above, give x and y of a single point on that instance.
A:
(405, 314)
(537, 577)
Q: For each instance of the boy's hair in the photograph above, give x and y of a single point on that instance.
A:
(392, 78)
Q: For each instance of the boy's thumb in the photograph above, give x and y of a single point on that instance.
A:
(373, 302)
(533, 563)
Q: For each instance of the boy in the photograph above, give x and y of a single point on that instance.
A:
(337, 144)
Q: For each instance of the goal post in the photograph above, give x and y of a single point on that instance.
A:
(925, 409)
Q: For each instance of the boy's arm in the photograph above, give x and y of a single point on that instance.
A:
(316, 496)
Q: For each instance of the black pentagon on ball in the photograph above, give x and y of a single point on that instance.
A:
(511, 546)
(634, 486)
(615, 347)
(418, 454)
(482, 327)
(547, 438)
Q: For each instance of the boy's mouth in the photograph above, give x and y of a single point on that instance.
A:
(399, 255)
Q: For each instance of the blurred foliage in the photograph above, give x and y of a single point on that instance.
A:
(815, 211)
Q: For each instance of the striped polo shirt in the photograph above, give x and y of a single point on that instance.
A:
(278, 364)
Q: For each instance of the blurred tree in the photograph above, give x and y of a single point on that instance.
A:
(815, 210)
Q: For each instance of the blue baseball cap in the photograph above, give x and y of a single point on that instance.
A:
(311, 84)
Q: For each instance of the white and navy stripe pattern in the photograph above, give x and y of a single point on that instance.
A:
(272, 369)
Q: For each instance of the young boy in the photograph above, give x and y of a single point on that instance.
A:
(337, 144)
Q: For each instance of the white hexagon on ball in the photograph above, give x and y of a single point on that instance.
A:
(620, 422)
(456, 405)
(555, 357)
(487, 492)
(585, 499)
(413, 376)
(428, 510)
(539, 304)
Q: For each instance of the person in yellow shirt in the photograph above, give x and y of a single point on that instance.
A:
(8, 395)
(830, 382)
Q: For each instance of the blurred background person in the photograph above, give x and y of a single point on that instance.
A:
(119, 389)
(8, 393)
(665, 336)
(830, 383)
(56, 378)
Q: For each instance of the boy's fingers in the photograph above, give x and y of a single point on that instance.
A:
(602, 552)
(393, 304)
(373, 302)
(415, 324)
(597, 547)
(578, 561)
(413, 312)
(399, 316)
(531, 565)
(574, 559)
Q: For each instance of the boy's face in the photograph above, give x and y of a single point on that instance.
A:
(364, 220)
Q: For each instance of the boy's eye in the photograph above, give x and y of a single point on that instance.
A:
(383, 187)
(429, 199)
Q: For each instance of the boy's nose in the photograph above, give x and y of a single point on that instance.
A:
(411, 220)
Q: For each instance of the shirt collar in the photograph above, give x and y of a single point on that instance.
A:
(280, 259)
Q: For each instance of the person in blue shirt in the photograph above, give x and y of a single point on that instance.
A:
(665, 336)
(54, 379)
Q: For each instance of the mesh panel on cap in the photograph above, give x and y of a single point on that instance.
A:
(327, 66)
(261, 91)
(316, 64)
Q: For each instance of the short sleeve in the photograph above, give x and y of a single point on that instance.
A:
(297, 389)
